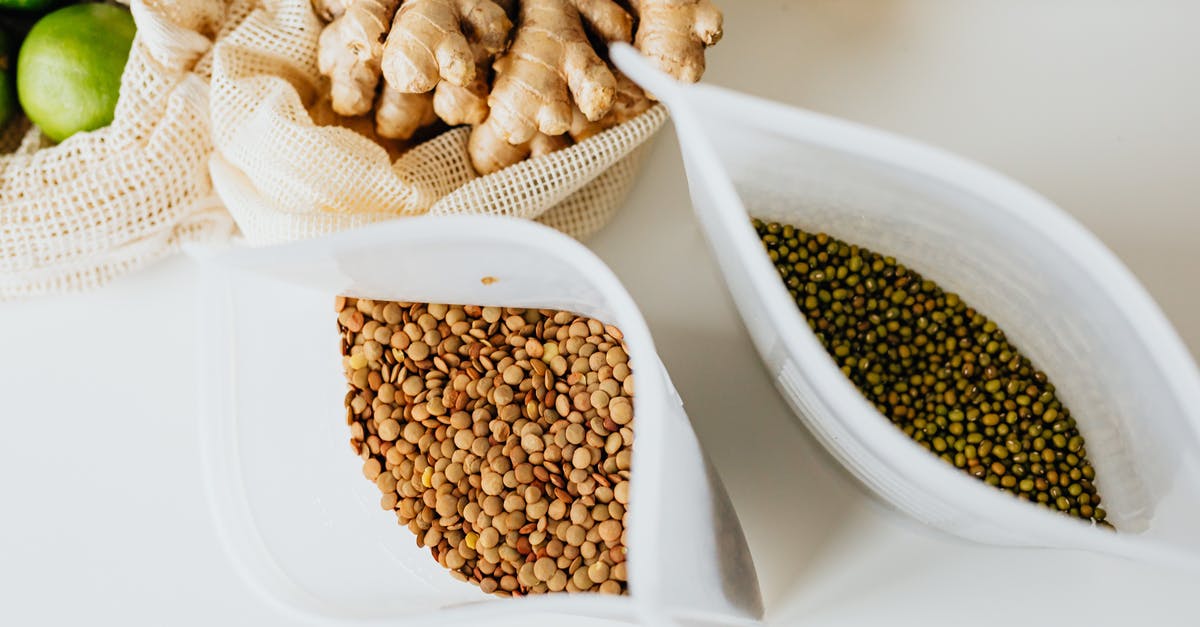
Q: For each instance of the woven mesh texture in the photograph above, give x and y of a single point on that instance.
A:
(76, 214)
(283, 177)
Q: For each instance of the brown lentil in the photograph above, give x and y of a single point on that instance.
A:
(500, 437)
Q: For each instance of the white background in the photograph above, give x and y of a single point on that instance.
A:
(1095, 104)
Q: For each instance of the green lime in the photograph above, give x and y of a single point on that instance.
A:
(28, 5)
(69, 68)
(8, 99)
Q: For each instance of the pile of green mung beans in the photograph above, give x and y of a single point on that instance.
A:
(938, 369)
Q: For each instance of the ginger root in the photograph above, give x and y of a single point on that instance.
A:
(329, 10)
(674, 34)
(446, 46)
(349, 51)
(551, 62)
(549, 71)
(468, 103)
(433, 40)
(629, 103)
(399, 115)
(491, 152)
(525, 90)
(457, 105)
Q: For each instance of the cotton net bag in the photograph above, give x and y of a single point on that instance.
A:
(77, 214)
(285, 176)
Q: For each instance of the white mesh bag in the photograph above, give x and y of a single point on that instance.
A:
(285, 178)
(76, 214)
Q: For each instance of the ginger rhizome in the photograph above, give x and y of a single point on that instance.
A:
(526, 89)
(349, 53)
(674, 34)
(551, 62)
(329, 10)
(444, 48)
(399, 115)
(630, 102)
(435, 40)
(550, 72)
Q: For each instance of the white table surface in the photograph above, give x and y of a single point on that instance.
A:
(1095, 104)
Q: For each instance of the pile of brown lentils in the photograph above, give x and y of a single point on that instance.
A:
(938, 369)
(500, 437)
